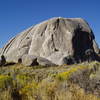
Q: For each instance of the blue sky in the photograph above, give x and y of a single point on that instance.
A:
(17, 15)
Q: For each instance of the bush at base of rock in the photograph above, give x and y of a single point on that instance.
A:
(2, 60)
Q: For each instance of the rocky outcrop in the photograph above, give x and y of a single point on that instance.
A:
(54, 40)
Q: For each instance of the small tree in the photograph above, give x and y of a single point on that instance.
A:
(3, 60)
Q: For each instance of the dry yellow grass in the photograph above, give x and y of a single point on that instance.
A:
(27, 83)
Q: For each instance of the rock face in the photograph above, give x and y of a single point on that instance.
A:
(54, 40)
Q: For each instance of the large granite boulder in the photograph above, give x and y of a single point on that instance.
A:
(54, 40)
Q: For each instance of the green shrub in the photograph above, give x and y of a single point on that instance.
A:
(66, 75)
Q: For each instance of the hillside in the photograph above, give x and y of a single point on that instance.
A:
(66, 82)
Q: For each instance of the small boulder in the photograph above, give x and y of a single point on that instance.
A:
(29, 60)
(44, 62)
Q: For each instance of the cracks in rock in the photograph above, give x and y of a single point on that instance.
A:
(55, 49)
(56, 24)
(25, 34)
(44, 30)
(8, 45)
(55, 28)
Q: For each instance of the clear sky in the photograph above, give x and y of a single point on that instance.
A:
(17, 15)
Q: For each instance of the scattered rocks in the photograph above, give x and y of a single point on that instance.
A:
(30, 60)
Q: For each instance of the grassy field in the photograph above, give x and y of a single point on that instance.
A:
(18, 82)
